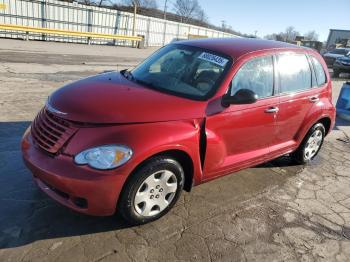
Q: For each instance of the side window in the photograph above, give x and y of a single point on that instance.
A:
(256, 75)
(320, 74)
(294, 71)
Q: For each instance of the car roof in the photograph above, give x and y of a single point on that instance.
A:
(236, 47)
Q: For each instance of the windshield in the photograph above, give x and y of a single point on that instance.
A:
(183, 70)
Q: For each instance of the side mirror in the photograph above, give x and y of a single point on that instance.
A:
(243, 96)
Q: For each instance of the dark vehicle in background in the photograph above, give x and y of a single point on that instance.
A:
(332, 55)
(341, 65)
(317, 45)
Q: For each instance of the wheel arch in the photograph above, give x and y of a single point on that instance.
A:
(180, 156)
(326, 122)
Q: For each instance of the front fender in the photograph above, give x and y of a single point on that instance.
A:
(146, 140)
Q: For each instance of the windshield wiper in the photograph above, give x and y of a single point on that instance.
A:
(128, 75)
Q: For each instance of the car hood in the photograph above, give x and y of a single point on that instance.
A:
(344, 59)
(332, 55)
(111, 98)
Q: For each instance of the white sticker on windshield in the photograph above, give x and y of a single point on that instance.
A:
(213, 59)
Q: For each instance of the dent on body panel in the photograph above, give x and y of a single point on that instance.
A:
(216, 151)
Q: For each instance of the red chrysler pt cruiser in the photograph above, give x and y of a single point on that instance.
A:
(195, 110)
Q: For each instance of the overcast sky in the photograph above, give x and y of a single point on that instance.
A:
(273, 16)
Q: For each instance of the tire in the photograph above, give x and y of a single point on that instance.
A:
(336, 73)
(151, 191)
(306, 152)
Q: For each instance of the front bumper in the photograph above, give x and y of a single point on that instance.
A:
(80, 188)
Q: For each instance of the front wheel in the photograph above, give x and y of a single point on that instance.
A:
(151, 191)
(311, 144)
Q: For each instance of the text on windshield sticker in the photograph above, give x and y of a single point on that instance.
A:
(213, 59)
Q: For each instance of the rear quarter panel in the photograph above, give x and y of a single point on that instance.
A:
(324, 108)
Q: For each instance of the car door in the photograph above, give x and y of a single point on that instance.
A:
(296, 98)
(240, 135)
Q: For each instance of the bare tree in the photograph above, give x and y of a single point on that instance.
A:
(201, 15)
(87, 2)
(274, 36)
(151, 4)
(186, 9)
(97, 2)
(287, 36)
(311, 35)
(290, 34)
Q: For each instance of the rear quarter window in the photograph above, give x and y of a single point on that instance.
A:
(319, 71)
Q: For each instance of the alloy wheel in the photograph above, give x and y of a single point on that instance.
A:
(313, 144)
(155, 193)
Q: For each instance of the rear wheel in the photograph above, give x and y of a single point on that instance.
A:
(151, 191)
(311, 144)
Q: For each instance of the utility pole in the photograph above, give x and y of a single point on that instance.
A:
(165, 7)
(134, 21)
(164, 17)
(223, 24)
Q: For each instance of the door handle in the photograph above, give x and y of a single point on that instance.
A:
(273, 109)
(314, 99)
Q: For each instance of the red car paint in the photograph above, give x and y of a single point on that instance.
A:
(109, 109)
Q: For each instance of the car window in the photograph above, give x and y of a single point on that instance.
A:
(255, 75)
(294, 72)
(320, 74)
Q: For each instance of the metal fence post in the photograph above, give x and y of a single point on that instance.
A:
(178, 31)
(127, 26)
(89, 23)
(43, 17)
(147, 32)
(116, 26)
(164, 33)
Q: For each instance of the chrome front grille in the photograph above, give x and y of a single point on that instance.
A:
(50, 132)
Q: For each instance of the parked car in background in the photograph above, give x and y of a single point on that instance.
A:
(332, 55)
(131, 141)
(341, 65)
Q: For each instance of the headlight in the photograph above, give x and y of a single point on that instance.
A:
(104, 157)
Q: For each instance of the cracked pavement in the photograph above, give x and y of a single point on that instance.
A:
(277, 211)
